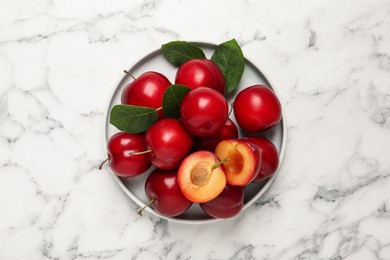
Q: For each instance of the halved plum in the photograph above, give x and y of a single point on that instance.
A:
(201, 177)
(242, 161)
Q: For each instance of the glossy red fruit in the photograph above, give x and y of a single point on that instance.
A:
(208, 143)
(201, 73)
(257, 108)
(203, 111)
(122, 159)
(270, 157)
(147, 90)
(169, 142)
(168, 200)
(228, 204)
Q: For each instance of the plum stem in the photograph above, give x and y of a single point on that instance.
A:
(101, 165)
(143, 152)
(146, 205)
(219, 163)
(230, 109)
(128, 73)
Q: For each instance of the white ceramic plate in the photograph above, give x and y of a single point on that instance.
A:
(134, 187)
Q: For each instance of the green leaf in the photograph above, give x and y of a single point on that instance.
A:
(172, 99)
(133, 119)
(178, 52)
(229, 58)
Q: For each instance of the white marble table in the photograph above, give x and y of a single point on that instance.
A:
(329, 60)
